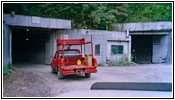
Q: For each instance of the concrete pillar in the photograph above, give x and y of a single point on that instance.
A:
(169, 56)
(7, 46)
(129, 46)
(129, 50)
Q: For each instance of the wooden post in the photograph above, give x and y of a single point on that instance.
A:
(81, 48)
(63, 46)
(84, 49)
(91, 46)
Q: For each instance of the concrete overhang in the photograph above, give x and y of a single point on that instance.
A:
(148, 33)
(144, 26)
(118, 40)
(33, 21)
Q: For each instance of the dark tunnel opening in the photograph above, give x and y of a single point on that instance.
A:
(28, 45)
(142, 48)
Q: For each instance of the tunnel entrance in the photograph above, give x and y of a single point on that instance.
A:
(142, 47)
(28, 45)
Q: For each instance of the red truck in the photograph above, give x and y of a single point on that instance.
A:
(72, 61)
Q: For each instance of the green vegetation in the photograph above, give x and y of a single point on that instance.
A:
(95, 15)
(125, 63)
(6, 70)
(149, 12)
(99, 65)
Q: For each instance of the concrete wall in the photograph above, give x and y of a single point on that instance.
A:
(160, 51)
(33, 21)
(51, 47)
(7, 45)
(103, 38)
(118, 57)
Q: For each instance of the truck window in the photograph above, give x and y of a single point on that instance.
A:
(71, 53)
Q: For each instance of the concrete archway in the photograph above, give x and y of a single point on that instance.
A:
(30, 38)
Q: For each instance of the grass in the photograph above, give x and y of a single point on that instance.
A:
(99, 65)
(6, 70)
(126, 63)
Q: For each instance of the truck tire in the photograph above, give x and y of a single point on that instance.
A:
(60, 75)
(52, 70)
(87, 75)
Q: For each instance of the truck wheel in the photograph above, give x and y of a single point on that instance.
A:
(60, 75)
(52, 70)
(87, 75)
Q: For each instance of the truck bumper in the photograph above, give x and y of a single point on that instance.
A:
(73, 72)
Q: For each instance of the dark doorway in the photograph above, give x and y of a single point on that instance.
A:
(142, 48)
(28, 45)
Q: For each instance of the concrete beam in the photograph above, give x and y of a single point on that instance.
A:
(149, 33)
(119, 40)
(144, 26)
(33, 21)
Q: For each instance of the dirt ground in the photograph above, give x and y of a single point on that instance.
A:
(22, 83)
(36, 80)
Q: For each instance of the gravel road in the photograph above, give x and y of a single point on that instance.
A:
(136, 73)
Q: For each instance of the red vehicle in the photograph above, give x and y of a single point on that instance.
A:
(72, 61)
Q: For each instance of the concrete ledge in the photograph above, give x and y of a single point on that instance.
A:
(143, 26)
(33, 21)
(119, 40)
(149, 33)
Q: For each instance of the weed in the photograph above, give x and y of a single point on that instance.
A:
(6, 70)
(9, 65)
(99, 65)
(125, 63)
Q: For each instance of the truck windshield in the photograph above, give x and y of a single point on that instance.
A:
(71, 53)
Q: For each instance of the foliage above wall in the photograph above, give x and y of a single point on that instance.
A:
(95, 15)
(149, 12)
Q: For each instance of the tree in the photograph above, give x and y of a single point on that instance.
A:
(149, 12)
(95, 15)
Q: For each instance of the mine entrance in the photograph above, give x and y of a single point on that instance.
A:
(142, 47)
(28, 45)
